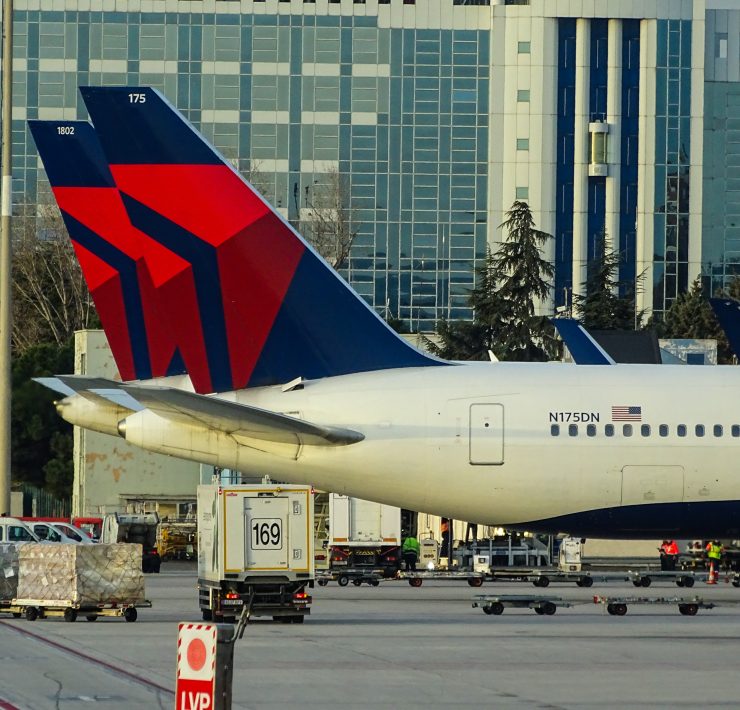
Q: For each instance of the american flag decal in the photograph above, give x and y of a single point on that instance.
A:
(626, 414)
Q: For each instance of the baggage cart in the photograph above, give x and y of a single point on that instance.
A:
(687, 606)
(416, 579)
(542, 606)
(543, 578)
(357, 576)
(33, 609)
(682, 578)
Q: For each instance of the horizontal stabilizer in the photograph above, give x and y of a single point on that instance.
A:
(583, 348)
(56, 385)
(239, 419)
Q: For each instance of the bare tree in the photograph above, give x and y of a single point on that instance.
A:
(330, 222)
(50, 296)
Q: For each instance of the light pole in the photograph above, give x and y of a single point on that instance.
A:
(6, 209)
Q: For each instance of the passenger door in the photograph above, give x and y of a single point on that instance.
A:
(486, 434)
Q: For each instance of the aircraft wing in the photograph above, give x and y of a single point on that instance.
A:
(206, 411)
(233, 418)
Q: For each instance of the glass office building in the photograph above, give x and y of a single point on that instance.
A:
(439, 115)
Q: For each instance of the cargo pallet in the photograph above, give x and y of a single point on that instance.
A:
(34, 609)
(495, 604)
(617, 606)
(416, 579)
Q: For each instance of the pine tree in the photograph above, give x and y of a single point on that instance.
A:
(508, 285)
(602, 308)
(691, 316)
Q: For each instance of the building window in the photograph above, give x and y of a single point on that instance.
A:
(522, 95)
(645, 430)
(572, 429)
(699, 430)
(522, 193)
(663, 430)
(555, 430)
(523, 48)
(522, 143)
(627, 429)
(681, 430)
(720, 45)
(591, 430)
(717, 430)
(609, 430)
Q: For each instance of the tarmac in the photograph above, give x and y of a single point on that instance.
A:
(395, 646)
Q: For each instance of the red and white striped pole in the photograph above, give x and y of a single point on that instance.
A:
(205, 655)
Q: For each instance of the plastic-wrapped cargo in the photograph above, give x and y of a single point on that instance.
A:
(80, 574)
(8, 571)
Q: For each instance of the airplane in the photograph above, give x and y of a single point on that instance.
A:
(240, 347)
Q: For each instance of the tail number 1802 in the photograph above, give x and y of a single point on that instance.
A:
(267, 534)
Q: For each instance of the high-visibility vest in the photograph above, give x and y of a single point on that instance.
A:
(714, 551)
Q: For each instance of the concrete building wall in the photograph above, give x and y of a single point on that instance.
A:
(110, 474)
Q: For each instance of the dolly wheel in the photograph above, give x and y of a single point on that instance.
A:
(538, 610)
(680, 582)
(688, 609)
(586, 581)
(475, 581)
(92, 617)
(620, 609)
(544, 581)
(70, 614)
(637, 583)
(495, 608)
(416, 582)
(357, 582)
(549, 608)
(646, 582)
(322, 582)
(130, 614)
(32, 613)
(342, 580)
(688, 581)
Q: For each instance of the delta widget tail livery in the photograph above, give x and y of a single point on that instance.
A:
(296, 376)
(250, 303)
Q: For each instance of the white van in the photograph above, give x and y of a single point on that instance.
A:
(16, 531)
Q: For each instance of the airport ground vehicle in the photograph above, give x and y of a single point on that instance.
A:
(61, 532)
(16, 531)
(364, 535)
(138, 528)
(255, 550)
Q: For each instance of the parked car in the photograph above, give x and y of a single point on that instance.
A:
(61, 532)
(16, 531)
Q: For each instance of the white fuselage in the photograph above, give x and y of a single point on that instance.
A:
(476, 441)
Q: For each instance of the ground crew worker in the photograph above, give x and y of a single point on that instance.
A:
(714, 555)
(411, 549)
(668, 555)
(445, 528)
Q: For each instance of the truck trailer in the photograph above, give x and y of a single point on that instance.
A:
(255, 550)
(364, 535)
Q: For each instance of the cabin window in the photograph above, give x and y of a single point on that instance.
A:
(627, 429)
(699, 430)
(663, 430)
(591, 430)
(736, 430)
(609, 430)
(572, 429)
(645, 430)
(554, 430)
(681, 430)
(717, 430)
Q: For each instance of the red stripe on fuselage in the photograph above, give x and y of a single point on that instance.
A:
(166, 282)
(210, 201)
(256, 268)
(105, 289)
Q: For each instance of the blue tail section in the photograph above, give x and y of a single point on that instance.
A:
(583, 348)
(727, 311)
(272, 308)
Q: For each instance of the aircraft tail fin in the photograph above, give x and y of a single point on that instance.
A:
(582, 346)
(270, 309)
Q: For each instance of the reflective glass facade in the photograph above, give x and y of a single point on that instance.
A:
(402, 112)
(672, 155)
